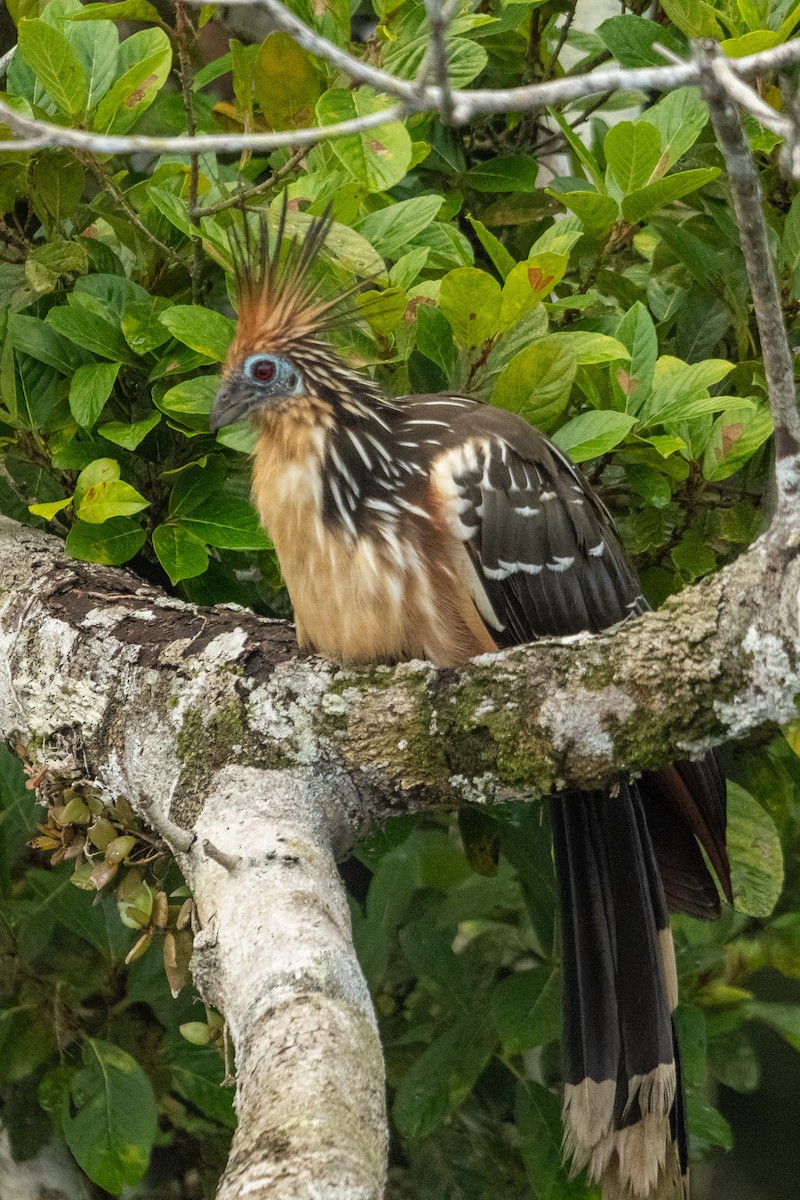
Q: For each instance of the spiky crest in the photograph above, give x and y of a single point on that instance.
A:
(279, 305)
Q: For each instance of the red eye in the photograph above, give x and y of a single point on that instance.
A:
(264, 371)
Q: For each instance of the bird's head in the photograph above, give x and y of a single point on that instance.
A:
(280, 354)
(251, 384)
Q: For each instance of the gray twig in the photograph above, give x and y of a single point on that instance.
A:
(745, 186)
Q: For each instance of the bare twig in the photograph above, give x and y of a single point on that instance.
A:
(184, 31)
(5, 61)
(108, 185)
(41, 135)
(440, 15)
(463, 105)
(746, 190)
(562, 37)
(257, 189)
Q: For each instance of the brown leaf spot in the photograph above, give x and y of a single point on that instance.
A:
(730, 436)
(411, 308)
(377, 147)
(538, 281)
(140, 92)
(627, 383)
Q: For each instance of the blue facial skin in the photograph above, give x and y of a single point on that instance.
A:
(262, 378)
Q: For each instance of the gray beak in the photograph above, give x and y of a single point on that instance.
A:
(231, 404)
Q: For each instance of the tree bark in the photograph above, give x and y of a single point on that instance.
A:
(259, 768)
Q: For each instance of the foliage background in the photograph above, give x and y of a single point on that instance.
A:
(608, 305)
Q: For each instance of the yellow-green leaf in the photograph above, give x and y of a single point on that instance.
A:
(286, 82)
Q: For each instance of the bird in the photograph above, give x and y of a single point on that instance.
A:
(438, 527)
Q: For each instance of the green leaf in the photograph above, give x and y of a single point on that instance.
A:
(46, 264)
(227, 523)
(442, 1077)
(89, 390)
(735, 436)
(528, 283)
(679, 117)
(100, 493)
(676, 384)
(637, 332)
(581, 152)
(650, 484)
(693, 557)
(505, 173)
(207, 332)
(408, 268)
(755, 853)
(97, 45)
(390, 229)
(706, 1122)
(597, 348)
(48, 511)
(115, 541)
(172, 207)
(630, 39)
(55, 64)
(783, 1018)
(597, 212)
(593, 433)
(435, 339)
(703, 319)
(501, 259)
(56, 183)
(140, 324)
(703, 260)
(115, 1125)
(695, 18)
(527, 1008)
(123, 10)
(448, 247)
(465, 59)
(82, 325)
(181, 553)
(96, 924)
(790, 241)
(195, 485)
(145, 59)
(470, 299)
(112, 499)
(129, 436)
(193, 398)
(538, 1119)
(632, 152)
(286, 82)
(40, 341)
(197, 1075)
(379, 157)
(639, 205)
(240, 436)
(538, 381)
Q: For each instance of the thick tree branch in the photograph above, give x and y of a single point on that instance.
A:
(207, 721)
(92, 650)
(274, 953)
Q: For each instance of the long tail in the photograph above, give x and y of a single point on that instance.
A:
(623, 1099)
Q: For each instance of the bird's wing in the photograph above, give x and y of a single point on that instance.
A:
(547, 559)
(544, 559)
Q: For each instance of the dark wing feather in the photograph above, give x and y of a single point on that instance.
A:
(548, 562)
(545, 548)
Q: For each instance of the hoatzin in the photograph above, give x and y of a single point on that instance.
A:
(438, 527)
